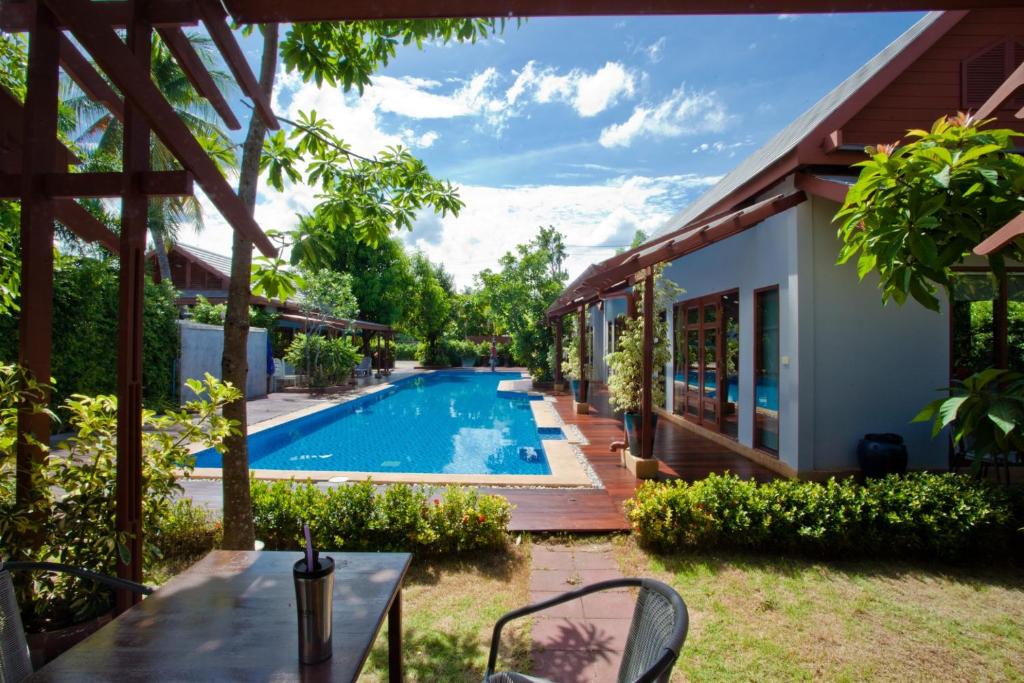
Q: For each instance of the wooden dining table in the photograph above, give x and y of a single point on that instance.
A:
(232, 616)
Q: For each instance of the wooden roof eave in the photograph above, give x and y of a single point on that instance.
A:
(687, 240)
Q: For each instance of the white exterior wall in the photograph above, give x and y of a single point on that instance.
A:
(201, 349)
(875, 366)
(762, 256)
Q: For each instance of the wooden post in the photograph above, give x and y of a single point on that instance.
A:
(38, 157)
(583, 354)
(1001, 323)
(380, 359)
(631, 305)
(558, 351)
(647, 431)
(134, 215)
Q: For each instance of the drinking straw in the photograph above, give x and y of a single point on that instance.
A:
(309, 548)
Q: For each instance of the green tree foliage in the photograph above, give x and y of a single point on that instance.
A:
(328, 294)
(381, 276)
(471, 315)
(85, 332)
(429, 310)
(917, 210)
(518, 296)
(206, 313)
(327, 360)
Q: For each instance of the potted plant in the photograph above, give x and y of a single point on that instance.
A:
(571, 367)
(72, 517)
(625, 366)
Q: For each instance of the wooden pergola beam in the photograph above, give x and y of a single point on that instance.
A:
(1001, 237)
(12, 129)
(103, 184)
(647, 363)
(134, 81)
(88, 79)
(190, 62)
(215, 20)
(79, 221)
(16, 15)
(264, 11)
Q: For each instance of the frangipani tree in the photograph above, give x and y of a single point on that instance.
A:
(915, 213)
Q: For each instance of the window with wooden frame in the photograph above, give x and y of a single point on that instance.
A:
(766, 368)
(981, 74)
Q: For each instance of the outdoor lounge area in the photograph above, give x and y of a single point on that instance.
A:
(516, 342)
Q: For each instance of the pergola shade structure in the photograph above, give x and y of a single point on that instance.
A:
(124, 65)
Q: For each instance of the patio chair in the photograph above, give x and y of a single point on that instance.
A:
(656, 634)
(15, 664)
(363, 369)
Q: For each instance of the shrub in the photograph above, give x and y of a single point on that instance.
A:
(406, 351)
(918, 515)
(364, 517)
(186, 531)
(459, 349)
(324, 360)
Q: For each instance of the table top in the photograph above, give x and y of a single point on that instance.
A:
(231, 616)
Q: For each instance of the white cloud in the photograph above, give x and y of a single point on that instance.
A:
(788, 17)
(654, 50)
(682, 113)
(587, 93)
(720, 147)
(496, 219)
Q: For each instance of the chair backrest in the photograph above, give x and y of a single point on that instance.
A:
(15, 664)
(656, 635)
(364, 364)
(279, 367)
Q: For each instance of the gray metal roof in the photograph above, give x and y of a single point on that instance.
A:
(219, 262)
(789, 137)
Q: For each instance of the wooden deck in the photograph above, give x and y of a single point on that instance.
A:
(682, 454)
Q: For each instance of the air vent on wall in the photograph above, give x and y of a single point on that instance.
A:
(982, 73)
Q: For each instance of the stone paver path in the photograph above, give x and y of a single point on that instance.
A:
(579, 641)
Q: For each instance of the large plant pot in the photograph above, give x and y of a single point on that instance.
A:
(882, 454)
(632, 422)
(48, 645)
(575, 384)
(469, 361)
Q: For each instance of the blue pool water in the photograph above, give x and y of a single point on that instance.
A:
(449, 422)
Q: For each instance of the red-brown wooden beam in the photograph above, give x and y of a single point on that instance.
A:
(79, 221)
(12, 130)
(820, 187)
(263, 11)
(583, 383)
(135, 158)
(192, 65)
(558, 350)
(1003, 93)
(16, 15)
(103, 184)
(35, 331)
(646, 390)
(215, 20)
(135, 83)
(88, 79)
(1001, 237)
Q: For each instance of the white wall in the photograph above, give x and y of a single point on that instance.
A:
(875, 366)
(201, 349)
(765, 255)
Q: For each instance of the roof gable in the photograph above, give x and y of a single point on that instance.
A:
(809, 129)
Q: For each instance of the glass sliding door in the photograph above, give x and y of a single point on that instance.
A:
(986, 325)
(766, 369)
(706, 361)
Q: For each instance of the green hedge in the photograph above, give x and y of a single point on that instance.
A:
(917, 515)
(406, 351)
(85, 302)
(364, 517)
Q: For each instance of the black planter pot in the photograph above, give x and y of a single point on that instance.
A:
(881, 454)
(632, 422)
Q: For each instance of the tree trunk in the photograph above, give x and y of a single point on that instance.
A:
(161, 256)
(238, 526)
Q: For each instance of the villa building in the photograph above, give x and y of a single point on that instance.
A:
(778, 352)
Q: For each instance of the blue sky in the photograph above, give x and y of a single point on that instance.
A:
(598, 126)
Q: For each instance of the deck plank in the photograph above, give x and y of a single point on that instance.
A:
(682, 454)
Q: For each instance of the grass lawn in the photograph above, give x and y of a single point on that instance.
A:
(448, 610)
(770, 619)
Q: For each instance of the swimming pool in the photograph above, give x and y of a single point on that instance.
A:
(446, 422)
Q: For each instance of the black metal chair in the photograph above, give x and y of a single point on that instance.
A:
(15, 664)
(656, 634)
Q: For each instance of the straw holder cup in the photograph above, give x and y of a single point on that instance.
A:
(314, 600)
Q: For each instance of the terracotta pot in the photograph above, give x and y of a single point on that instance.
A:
(48, 645)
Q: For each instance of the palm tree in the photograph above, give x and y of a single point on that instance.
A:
(102, 134)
